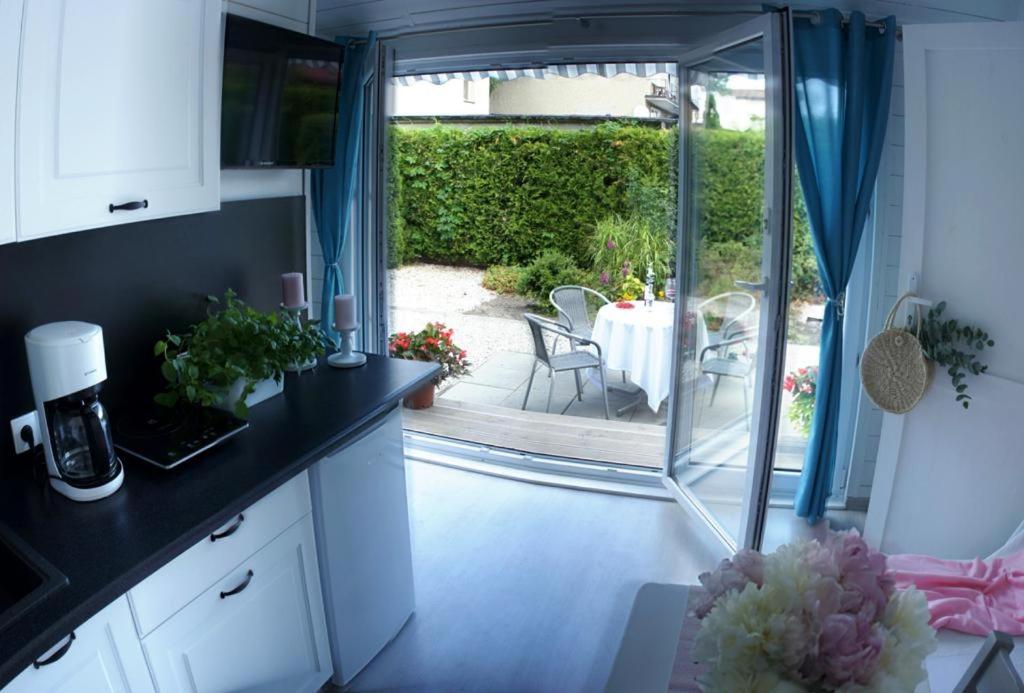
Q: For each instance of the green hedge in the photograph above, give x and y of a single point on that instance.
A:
(502, 195)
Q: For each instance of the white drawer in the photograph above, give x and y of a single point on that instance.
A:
(166, 591)
(103, 655)
(259, 628)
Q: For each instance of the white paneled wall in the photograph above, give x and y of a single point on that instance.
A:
(316, 273)
(949, 481)
(888, 225)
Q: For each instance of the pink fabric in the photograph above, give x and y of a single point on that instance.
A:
(974, 597)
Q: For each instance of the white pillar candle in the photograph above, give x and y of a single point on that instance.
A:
(344, 312)
(292, 289)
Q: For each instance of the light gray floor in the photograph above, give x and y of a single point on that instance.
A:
(521, 587)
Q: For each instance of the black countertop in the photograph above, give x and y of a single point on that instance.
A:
(108, 546)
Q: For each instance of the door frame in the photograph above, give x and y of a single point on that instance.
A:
(376, 176)
(774, 28)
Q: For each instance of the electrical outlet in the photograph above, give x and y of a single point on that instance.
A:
(30, 419)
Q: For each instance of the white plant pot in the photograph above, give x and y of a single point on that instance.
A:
(265, 389)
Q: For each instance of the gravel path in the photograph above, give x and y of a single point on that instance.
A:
(485, 323)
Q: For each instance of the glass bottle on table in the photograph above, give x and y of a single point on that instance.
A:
(649, 287)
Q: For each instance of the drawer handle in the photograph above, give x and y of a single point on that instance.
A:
(128, 206)
(242, 586)
(56, 655)
(230, 530)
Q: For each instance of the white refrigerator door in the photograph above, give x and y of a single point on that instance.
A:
(362, 529)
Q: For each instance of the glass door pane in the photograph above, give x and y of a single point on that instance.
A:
(731, 270)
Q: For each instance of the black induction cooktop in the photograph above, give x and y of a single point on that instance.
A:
(166, 437)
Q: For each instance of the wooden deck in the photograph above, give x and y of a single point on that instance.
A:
(574, 437)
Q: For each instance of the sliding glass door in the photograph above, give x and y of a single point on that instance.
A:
(732, 247)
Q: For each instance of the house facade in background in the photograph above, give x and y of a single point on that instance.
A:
(739, 99)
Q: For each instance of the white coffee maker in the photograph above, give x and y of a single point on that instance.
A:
(67, 366)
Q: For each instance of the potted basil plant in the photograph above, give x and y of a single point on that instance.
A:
(234, 358)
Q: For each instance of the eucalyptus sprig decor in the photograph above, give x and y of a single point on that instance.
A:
(955, 347)
(234, 343)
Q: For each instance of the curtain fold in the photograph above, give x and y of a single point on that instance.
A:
(843, 82)
(333, 189)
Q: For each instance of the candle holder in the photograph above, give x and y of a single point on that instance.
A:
(295, 314)
(345, 357)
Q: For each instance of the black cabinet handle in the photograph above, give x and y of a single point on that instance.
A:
(56, 655)
(128, 206)
(230, 530)
(236, 590)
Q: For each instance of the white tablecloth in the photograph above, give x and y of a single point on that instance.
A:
(639, 341)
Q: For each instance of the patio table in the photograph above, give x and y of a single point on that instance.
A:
(639, 342)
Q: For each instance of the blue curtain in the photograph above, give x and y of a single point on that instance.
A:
(843, 79)
(334, 189)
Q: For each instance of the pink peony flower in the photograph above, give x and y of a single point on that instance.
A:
(866, 587)
(848, 649)
(746, 567)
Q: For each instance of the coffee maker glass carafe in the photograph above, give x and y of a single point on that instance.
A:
(82, 447)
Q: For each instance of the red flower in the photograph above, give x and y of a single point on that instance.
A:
(788, 383)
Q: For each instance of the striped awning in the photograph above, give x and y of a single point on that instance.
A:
(601, 69)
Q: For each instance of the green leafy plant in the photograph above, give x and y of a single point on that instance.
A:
(955, 347)
(503, 278)
(712, 121)
(551, 269)
(432, 343)
(627, 246)
(232, 343)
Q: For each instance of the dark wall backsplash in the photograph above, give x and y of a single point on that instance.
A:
(136, 281)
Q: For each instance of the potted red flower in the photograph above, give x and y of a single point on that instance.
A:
(803, 385)
(432, 343)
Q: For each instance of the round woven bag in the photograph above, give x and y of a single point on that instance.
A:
(893, 369)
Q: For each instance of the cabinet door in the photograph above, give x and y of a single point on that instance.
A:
(105, 655)
(119, 103)
(261, 627)
(10, 43)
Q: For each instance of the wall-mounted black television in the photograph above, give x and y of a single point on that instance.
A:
(280, 97)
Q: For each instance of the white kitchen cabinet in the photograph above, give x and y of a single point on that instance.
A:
(261, 627)
(10, 43)
(105, 655)
(292, 10)
(192, 572)
(119, 105)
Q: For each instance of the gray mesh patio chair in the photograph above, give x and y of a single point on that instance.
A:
(573, 360)
(571, 304)
(573, 312)
(734, 307)
(731, 358)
